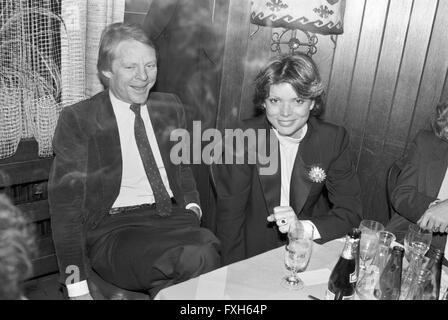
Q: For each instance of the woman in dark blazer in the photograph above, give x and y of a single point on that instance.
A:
(314, 178)
(421, 192)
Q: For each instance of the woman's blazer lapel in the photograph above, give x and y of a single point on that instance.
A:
(270, 183)
(307, 155)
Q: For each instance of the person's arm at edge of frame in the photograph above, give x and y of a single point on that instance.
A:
(405, 198)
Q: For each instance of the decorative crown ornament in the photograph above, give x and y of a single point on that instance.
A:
(317, 174)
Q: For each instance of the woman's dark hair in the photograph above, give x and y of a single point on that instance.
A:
(440, 120)
(300, 71)
(111, 36)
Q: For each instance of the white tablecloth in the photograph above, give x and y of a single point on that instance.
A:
(259, 278)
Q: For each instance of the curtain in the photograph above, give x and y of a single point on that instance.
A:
(84, 22)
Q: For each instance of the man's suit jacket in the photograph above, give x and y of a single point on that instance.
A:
(418, 184)
(246, 198)
(86, 174)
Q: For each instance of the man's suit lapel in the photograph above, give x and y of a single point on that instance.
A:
(108, 142)
(307, 155)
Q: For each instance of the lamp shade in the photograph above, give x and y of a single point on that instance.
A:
(318, 16)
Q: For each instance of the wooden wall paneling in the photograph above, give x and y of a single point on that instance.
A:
(410, 76)
(405, 94)
(258, 52)
(363, 80)
(324, 57)
(373, 162)
(388, 70)
(434, 73)
(232, 79)
(343, 62)
(365, 70)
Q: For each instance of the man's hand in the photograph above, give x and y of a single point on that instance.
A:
(435, 218)
(83, 297)
(283, 217)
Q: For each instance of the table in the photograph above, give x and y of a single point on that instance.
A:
(259, 278)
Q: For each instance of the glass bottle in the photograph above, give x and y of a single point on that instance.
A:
(356, 233)
(341, 285)
(390, 278)
(410, 274)
(369, 280)
(434, 266)
(416, 290)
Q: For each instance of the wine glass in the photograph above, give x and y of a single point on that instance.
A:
(369, 241)
(416, 240)
(368, 282)
(297, 254)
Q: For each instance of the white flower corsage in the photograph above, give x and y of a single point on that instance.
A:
(317, 174)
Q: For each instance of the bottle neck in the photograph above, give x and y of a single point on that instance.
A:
(438, 258)
(349, 251)
(434, 262)
(397, 258)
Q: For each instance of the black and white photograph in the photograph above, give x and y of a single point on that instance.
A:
(232, 158)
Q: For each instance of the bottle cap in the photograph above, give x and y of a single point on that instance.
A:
(355, 233)
(398, 249)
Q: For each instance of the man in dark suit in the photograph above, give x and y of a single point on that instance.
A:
(314, 179)
(421, 192)
(118, 204)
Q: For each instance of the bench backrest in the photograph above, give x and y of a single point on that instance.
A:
(24, 177)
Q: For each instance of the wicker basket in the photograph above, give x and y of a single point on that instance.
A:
(10, 121)
(27, 116)
(47, 112)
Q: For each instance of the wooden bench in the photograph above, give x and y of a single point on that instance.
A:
(24, 178)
